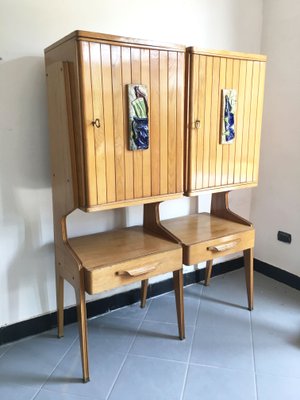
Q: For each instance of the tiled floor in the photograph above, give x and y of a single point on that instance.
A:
(229, 353)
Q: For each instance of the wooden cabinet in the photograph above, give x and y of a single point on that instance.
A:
(101, 66)
(93, 168)
(212, 166)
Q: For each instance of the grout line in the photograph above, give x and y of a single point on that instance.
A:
(56, 365)
(253, 353)
(125, 358)
(190, 352)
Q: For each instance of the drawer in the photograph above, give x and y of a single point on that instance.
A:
(130, 271)
(219, 247)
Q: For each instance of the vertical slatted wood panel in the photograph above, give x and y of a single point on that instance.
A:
(108, 123)
(225, 159)
(219, 152)
(154, 121)
(240, 122)
(232, 147)
(97, 96)
(179, 121)
(193, 114)
(114, 174)
(163, 111)
(145, 80)
(211, 164)
(200, 85)
(88, 142)
(215, 121)
(118, 109)
(128, 155)
(259, 120)
(172, 85)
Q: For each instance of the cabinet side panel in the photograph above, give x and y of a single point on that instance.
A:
(67, 52)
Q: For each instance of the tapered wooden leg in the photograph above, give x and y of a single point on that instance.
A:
(248, 260)
(60, 304)
(208, 270)
(82, 326)
(178, 288)
(144, 290)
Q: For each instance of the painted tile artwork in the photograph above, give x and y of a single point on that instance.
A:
(229, 99)
(138, 117)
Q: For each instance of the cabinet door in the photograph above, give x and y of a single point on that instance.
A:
(114, 174)
(212, 165)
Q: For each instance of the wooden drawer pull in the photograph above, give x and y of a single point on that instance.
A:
(224, 246)
(137, 271)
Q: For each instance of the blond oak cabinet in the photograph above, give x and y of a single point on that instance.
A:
(216, 168)
(212, 166)
(93, 168)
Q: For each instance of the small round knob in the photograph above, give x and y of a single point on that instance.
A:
(96, 123)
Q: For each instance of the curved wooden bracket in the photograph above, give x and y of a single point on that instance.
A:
(220, 208)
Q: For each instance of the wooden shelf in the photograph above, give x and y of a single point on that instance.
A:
(124, 256)
(205, 236)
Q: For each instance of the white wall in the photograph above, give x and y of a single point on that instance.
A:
(26, 27)
(276, 201)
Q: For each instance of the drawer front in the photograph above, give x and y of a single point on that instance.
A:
(105, 278)
(220, 247)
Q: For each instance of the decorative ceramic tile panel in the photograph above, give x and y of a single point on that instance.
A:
(138, 117)
(229, 100)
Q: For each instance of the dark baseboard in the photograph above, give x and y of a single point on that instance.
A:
(278, 274)
(20, 330)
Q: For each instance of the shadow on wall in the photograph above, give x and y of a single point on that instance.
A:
(25, 195)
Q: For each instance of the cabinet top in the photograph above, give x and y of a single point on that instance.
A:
(227, 54)
(119, 40)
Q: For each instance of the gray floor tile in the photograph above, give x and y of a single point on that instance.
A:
(49, 395)
(30, 362)
(228, 289)
(223, 337)
(104, 367)
(133, 311)
(163, 308)
(112, 334)
(156, 339)
(207, 383)
(148, 379)
(276, 346)
(270, 387)
(12, 391)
